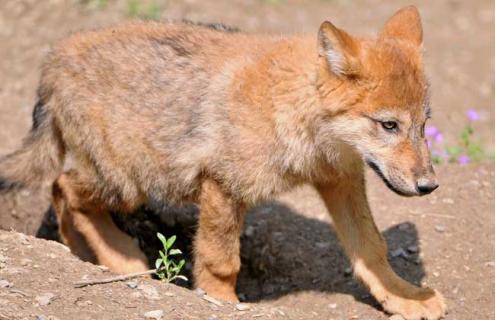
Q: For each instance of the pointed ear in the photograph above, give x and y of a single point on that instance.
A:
(340, 50)
(405, 24)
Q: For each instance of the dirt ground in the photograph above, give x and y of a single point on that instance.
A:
(293, 266)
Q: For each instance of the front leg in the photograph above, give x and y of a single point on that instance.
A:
(367, 250)
(217, 244)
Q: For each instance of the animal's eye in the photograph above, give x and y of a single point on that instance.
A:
(390, 125)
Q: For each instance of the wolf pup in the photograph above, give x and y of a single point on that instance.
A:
(182, 112)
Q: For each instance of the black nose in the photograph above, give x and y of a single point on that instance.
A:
(425, 186)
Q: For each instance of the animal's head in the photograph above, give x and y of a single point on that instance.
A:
(375, 96)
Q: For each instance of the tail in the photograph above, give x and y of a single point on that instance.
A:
(39, 159)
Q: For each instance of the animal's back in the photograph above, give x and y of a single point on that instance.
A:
(142, 107)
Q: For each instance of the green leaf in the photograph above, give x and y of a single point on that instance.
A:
(453, 151)
(174, 252)
(162, 239)
(181, 263)
(158, 263)
(170, 242)
(163, 256)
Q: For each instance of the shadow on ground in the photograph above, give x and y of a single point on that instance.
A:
(282, 252)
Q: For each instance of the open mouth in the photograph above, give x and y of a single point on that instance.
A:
(377, 170)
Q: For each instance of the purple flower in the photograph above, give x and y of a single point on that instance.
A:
(431, 131)
(439, 138)
(472, 115)
(463, 159)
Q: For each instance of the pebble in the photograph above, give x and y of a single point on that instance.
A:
(448, 200)
(348, 271)
(249, 232)
(413, 249)
(155, 314)
(199, 292)
(212, 300)
(212, 317)
(332, 306)
(84, 303)
(440, 228)
(44, 299)
(436, 274)
(149, 292)
(103, 268)
(242, 306)
(132, 284)
(242, 297)
(26, 262)
(5, 284)
(169, 294)
(322, 245)
(396, 317)
(399, 252)
(490, 264)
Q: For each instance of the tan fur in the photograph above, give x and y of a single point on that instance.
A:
(181, 113)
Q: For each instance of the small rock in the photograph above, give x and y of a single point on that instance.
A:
(133, 284)
(41, 317)
(490, 264)
(169, 294)
(25, 240)
(26, 262)
(242, 297)
(436, 274)
(103, 268)
(412, 249)
(155, 314)
(448, 200)
(348, 271)
(242, 306)
(399, 252)
(322, 245)
(5, 284)
(45, 299)
(136, 294)
(249, 232)
(199, 292)
(149, 292)
(396, 317)
(213, 317)
(212, 300)
(332, 306)
(440, 228)
(3, 259)
(84, 303)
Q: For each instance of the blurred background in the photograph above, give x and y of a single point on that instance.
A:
(444, 240)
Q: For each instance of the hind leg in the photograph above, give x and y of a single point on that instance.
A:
(88, 229)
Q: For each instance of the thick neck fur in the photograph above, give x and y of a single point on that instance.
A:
(291, 72)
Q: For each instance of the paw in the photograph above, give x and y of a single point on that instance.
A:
(431, 308)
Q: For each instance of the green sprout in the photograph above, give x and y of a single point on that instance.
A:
(166, 268)
(142, 9)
